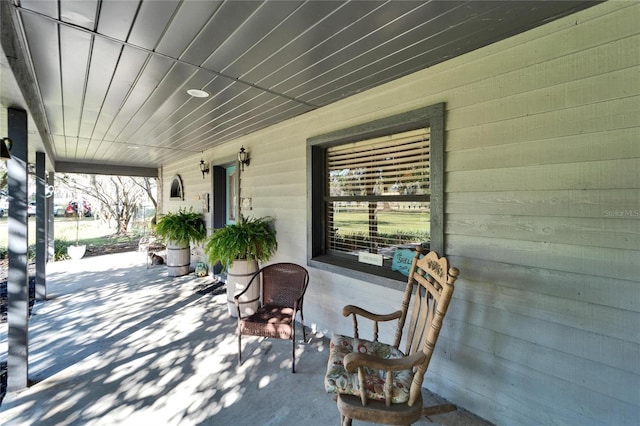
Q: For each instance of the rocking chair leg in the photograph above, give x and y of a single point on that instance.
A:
(438, 409)
(345, 421)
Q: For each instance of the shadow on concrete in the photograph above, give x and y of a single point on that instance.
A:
(119, 344)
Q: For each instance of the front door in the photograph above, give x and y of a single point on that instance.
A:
(232, 193)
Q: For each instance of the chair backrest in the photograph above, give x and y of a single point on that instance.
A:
(283, 284)
(430, 283)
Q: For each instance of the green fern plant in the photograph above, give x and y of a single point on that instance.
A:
(248, 239)
(181, 227)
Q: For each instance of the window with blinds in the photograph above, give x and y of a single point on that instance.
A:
(377, 196)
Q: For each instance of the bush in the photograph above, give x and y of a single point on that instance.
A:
(60, 249)
(247, 239)
(31, 252)
(183, 226)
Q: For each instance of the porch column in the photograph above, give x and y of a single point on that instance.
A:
(50, 219)
(18, 279)
(42, 213)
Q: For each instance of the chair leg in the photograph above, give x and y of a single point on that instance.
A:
(293, 346)
(304, 332)
(239, 350)
(345, 421)
(438, 409)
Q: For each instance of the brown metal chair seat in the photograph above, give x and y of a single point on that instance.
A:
(269, 321)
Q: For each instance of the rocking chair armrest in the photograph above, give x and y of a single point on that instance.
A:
(355, 360)
(351, 309)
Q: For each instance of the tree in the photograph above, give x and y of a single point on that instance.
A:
(120, 197)
(149, 186)
(4, 176)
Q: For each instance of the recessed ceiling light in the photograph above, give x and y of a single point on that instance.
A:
(197, 93)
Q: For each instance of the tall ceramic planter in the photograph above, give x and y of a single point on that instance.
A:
(178, 258)
(238, 276)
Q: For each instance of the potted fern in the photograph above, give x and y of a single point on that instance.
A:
(239, 247)
(179, 230)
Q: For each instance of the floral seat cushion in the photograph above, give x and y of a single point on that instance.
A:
(338, 380)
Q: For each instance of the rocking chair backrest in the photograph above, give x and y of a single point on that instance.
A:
(431, 284)
(283, 284)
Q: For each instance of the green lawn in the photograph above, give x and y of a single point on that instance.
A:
(64, 229)
(389, 221)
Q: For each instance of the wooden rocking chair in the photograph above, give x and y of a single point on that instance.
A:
(377, 382)
(282, 294)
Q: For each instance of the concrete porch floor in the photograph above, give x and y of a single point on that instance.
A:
(119, 344)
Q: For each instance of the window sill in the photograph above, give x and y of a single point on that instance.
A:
(369, 273)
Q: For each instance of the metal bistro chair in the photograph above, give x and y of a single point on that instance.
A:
(377, 382)
(282, 294)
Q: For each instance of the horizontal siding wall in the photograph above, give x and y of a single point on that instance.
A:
(543, 220)
(542, 202)
(193, 189)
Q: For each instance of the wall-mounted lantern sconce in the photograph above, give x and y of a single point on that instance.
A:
(243, 158)
(204, 168)
(5, 147)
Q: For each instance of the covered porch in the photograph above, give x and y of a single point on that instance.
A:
(117, 343)
(533, 189)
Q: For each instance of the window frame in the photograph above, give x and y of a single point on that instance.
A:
(176, 192)
(431, 116)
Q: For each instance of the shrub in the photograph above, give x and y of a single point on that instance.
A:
(60, 249)
(183, 226)
(247, 239)
(31, 252)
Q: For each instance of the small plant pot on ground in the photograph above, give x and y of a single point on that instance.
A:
(76, 252)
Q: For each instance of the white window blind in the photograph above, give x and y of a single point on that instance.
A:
(388, 166)
(378, 193)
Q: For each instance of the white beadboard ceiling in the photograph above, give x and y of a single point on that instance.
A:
(105, 81)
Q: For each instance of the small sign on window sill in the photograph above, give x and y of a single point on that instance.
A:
(370, 258)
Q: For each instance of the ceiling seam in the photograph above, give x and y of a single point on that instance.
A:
(356, 41)
(396, 64)
(152, 52)
(86, 80)
(122, 52)
(142, 70)
(327, 40)
(64, 120)
(302, 34)
(15, 44)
